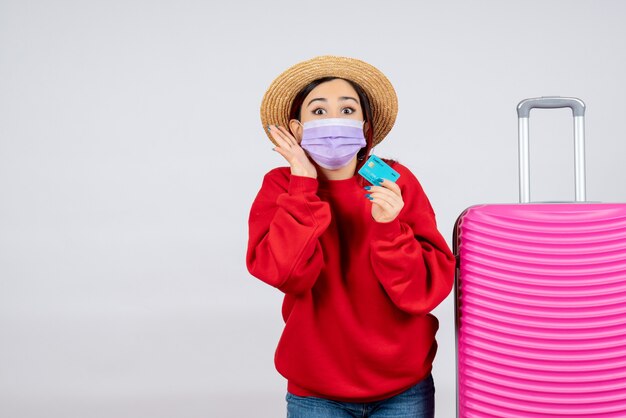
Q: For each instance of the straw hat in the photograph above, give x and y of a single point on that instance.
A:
(279, 96)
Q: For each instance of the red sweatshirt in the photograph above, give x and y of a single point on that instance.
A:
(357, 292)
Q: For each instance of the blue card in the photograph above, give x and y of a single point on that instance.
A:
(375, 168)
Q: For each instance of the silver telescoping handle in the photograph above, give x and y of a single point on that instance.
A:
(523, 112)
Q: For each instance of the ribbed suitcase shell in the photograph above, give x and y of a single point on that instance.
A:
(541, 310)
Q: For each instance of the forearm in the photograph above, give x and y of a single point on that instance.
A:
(283, 247)
(417, 274)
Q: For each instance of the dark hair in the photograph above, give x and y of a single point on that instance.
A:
(296, 107)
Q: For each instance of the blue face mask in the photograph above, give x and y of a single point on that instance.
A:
(332, 143)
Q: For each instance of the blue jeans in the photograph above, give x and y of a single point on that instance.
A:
(416, 402)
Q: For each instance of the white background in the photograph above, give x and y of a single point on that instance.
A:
(131, 149)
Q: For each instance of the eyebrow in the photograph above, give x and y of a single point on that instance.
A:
(322, 99)
(348, 98)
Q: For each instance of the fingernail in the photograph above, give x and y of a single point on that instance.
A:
(367, 187)
(268, 128)
(369, 196)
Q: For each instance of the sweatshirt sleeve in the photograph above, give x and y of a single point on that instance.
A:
(409, 256)
(286, 220)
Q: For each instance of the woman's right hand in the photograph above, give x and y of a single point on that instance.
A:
(289, 148)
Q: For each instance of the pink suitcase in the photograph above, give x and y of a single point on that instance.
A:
(541, 300)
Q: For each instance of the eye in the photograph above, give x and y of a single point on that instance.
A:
(319, 111)
(347, 110)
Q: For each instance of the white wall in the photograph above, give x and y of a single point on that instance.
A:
(131, 149)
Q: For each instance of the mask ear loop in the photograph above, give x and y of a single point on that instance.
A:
(300, 123)
(363, 157)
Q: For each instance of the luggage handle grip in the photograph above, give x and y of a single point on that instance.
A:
(551, 102)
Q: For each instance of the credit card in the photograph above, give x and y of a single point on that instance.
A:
(375, 168)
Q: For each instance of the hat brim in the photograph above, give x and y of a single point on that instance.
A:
(279, 97)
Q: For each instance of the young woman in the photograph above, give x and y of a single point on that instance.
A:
(361, 265)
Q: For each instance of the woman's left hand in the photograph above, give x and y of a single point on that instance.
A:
(386, 201)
